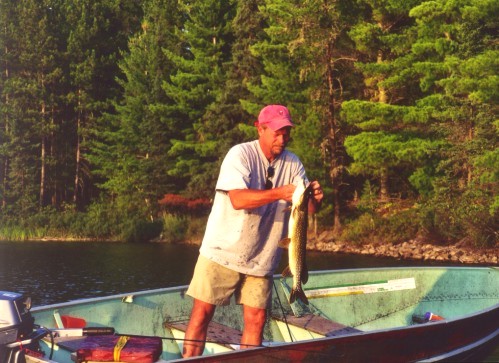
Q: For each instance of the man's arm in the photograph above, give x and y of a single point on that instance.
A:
(254, 198)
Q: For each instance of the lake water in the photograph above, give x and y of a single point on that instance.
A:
(53, 272)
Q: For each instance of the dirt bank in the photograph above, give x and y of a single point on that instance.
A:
(413, 249)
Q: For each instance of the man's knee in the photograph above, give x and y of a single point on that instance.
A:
(254, 316)
(202, 312)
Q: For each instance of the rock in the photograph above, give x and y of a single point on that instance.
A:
(412, 249)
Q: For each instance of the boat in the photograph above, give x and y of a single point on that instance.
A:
(416, 314)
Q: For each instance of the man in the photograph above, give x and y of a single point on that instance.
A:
(239, 251)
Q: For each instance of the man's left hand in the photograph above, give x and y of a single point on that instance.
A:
(317, 196)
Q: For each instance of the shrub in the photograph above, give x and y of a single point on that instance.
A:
(400, 227)
(99, 221)
(361, 229)
(174, 228)
(141, 230)
(196, 228)
(371, 227)
(455, 216)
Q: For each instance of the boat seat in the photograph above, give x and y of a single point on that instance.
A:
(217, 333)
(317, 324)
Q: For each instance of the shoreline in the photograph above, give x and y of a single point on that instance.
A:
(410, 250)
(325, 242)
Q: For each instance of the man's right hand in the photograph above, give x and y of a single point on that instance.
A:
(287, 192)
(254, 198)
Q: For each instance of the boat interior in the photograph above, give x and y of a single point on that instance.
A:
(341, 302)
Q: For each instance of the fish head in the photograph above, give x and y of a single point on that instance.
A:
(301, 193)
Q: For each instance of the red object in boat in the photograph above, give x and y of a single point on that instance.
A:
(73, 322)
(136, 350)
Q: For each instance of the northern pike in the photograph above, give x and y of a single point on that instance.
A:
(296, 242)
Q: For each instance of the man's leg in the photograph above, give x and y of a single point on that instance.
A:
(195, 335)
(254, 322)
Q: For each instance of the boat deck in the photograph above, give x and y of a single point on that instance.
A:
(219, 334)
(317, 324)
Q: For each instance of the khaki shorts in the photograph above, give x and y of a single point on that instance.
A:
(215, 284)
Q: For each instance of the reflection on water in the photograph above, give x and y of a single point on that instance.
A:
(53, 272)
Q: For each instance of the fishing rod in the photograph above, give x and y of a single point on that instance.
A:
(99, 331)
(283, 312)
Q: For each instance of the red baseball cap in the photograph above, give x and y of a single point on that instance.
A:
(275, 116)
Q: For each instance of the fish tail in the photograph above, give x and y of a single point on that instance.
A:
(297, 294)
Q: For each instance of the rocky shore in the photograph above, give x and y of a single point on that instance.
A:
(413, 249)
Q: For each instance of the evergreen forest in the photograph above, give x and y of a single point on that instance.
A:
(108, 107)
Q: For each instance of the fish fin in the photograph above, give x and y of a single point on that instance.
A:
(284, 243)
(297, 294)
(304, 274)
(286, 272)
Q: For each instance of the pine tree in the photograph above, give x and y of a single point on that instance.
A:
(394, 138)
(456, 59)
(7, 63)
(31, 90)
(308, 63)
(98, 34)
(226, 122)
(134, 157)
(196, 86)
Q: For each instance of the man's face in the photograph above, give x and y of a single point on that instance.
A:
(272, 142)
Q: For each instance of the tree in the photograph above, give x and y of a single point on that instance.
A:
(308, 60)
(7, 44)
(456, 59)
(98, 35)
(32, 69)
(196, 86)
(393, 137)
(226, 121)
(134, 157)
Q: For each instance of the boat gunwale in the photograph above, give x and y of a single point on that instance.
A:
(85, 301)
(90, 300)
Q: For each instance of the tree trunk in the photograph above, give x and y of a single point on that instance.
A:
(382, 98)
(55, 188)
(384, 194)
(5, 165)
(335, 165)
(43, 161)
(77, 183)
(4, 182)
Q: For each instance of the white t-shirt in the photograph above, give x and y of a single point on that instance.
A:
(246, 240)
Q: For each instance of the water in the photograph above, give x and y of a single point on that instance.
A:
(53, 272)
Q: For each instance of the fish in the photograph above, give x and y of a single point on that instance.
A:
(296, 242)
